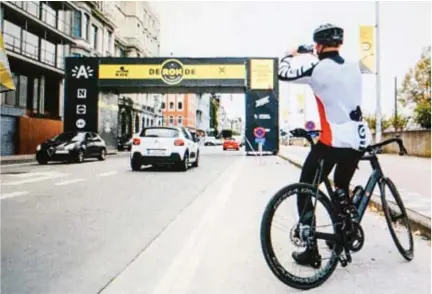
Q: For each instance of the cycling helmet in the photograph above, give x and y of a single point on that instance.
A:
(328, 35)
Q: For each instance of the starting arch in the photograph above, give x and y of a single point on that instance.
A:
(88, 79)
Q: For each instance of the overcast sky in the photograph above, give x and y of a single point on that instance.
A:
(266, 28)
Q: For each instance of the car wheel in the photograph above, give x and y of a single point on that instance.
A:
(80, 156)
(184, 164)
(136, 162)
(103, 154)
(196, 162)
(42, 161)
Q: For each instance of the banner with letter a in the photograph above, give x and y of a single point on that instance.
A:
(367, 49)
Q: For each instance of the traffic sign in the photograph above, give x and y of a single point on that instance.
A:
(260, 141)
(259, 132)
(310, 125)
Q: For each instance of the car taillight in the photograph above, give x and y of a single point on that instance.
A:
(136, 141)
(179, 142)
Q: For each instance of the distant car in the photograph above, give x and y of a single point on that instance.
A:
(124, 142)
(164, 146)
(71, 146)
(240, 140)
(231, 144)
(209, 141)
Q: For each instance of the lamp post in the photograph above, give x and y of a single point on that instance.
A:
(378, 77)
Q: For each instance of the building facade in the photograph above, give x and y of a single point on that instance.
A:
(203, 112)
(39, 35)
(180, 110)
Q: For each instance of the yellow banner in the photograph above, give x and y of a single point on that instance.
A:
(6, 81)
(367, 49)
(172, 71)
(261, 73)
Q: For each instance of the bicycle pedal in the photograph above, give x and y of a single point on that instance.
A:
(343, 261)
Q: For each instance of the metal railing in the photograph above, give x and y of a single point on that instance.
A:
(32, 51)
(45, 15)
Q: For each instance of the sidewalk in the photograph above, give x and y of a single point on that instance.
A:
(29, 158)
(412, 176)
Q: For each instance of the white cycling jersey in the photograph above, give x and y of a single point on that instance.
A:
(337, 86)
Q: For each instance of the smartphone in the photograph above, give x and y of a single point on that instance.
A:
(305, 49)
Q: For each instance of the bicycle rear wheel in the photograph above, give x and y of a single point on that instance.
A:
(397, 218)
(268, 248)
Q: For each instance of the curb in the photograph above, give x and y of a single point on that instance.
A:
(418, 222)
(31, 159)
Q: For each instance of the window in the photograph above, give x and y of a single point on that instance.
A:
(171, 120)
(12, 36)
(9, 98)
(94, 37)
(159, 133)
(85, 28)
(22, 92)
(35, 94)
(30, 45)
(171, 105)
(109, 39)
(49, 15)
(151, 122)
(76, 32)
(48, 52)
(33, 8)
(163, 105)
(180, 105)
(180, 120)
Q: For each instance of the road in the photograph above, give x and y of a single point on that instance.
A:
(98, 227)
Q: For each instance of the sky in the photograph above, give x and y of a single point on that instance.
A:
(269, 29)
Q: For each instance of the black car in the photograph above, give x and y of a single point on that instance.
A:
(71, 146)
(124, 143)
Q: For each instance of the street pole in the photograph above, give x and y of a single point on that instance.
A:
(378, 76)
(395, 99)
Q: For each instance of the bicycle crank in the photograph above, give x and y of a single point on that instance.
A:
(356, 238)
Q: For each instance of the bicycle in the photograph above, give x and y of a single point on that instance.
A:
(348, 235)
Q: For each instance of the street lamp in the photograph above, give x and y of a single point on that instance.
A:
(378, 77)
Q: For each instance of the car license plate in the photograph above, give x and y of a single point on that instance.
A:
(62, 152)
(156, 151)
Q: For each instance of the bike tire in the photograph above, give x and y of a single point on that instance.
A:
(408, 254)
(265, 235)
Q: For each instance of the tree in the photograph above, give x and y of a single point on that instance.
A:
(371, 121)
(213, 114)
(416, 89)
(398, 122)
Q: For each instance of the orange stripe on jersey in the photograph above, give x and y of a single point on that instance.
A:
(326, 133)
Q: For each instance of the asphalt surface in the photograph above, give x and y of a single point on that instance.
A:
(98, 227)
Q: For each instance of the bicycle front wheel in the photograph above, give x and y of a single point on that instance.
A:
(397, 219)
(271, 220)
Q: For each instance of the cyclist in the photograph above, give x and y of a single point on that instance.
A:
(337, 86)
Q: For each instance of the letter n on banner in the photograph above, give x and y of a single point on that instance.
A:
(367, 49)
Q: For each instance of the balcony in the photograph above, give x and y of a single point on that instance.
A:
(41, 19)
(32, 51)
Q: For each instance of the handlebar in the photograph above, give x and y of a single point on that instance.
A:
(373, 149)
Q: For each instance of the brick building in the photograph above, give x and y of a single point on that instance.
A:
(179, 109)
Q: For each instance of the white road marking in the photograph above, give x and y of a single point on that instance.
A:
(181, 272)
(35, 177)
(13, 194)
(70, 182)
(108, 174)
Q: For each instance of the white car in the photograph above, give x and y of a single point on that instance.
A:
(164, 146)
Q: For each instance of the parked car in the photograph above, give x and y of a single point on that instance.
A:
(158, 146)
(231, 144)
(71, 146)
